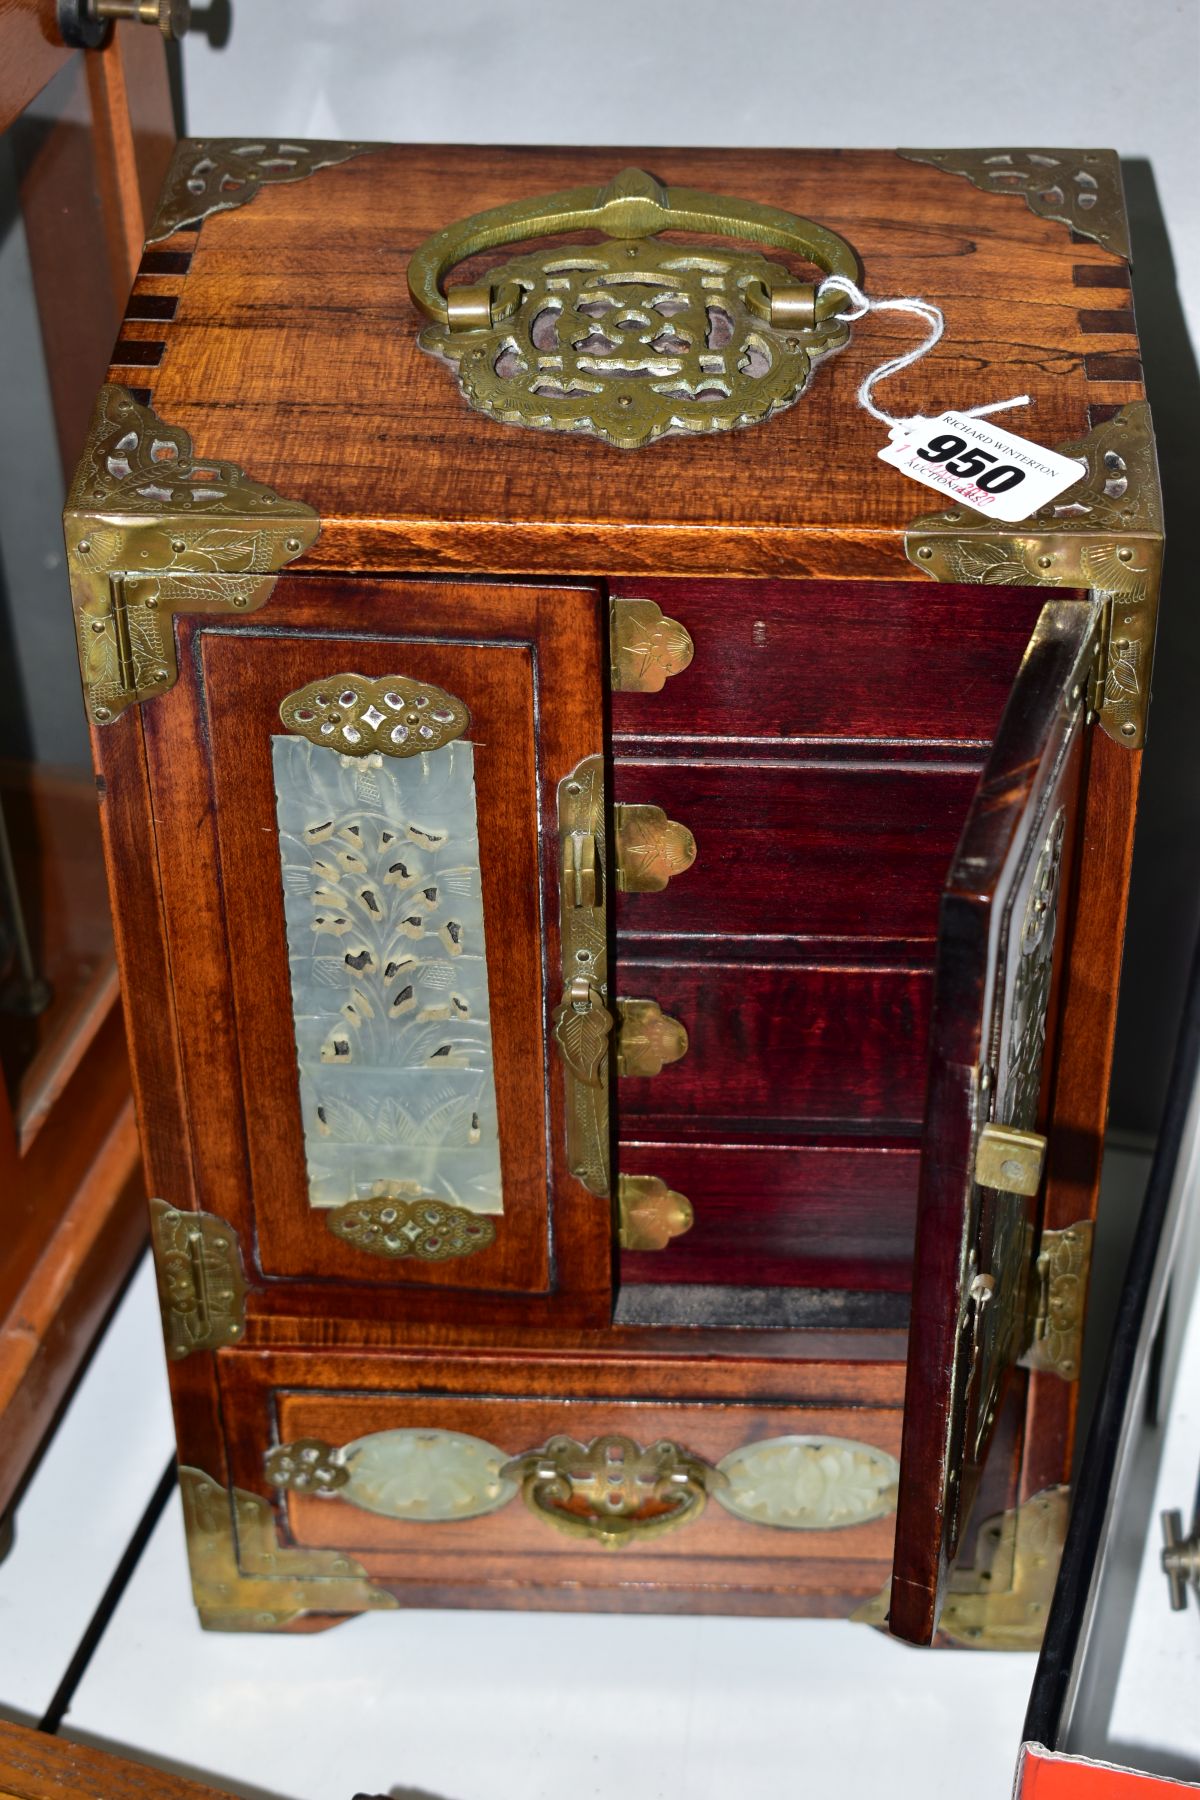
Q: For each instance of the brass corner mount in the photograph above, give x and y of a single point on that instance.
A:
(1079, 188)
(1003, 1601)
(152, 529)
(244, 1579)
(1104, 534)
(211, 175)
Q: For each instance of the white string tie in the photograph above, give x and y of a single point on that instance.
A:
(936, 323)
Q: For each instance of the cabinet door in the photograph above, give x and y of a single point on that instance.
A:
(1000, 949)
(357, 797)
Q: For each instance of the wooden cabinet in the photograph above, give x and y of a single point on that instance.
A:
(621, 964)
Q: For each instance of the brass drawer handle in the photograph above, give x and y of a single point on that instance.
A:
(649, 1213)
(612, 1490)
(651, 848)
(647, 1038)
(637, 336)
(646, 647)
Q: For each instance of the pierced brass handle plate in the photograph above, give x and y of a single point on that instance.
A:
(611, 1490)
(634, 338)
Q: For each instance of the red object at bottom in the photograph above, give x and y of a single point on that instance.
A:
(1048, 1775)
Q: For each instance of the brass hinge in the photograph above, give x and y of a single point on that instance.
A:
(154, 529)
(650, 848)
(646, 647)
(650, 1213)
(647, 1038)
(1059, 1300)
(201, 1287)
(1001, 1602)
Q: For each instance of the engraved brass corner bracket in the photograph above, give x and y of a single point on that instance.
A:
(1104, 534)
(201, 1287)
(244, 1579)
(153, 529)
(1003, 1601)
(1079, 188)
(211, 175)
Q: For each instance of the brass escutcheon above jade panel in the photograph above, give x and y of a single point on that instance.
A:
(634, 338)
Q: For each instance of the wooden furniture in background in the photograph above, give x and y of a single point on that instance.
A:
(90, 133)
(35, 1766)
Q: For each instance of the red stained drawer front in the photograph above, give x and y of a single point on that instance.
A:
(843, 659)
(778, 1043)
(800, 849)
(828, 1215)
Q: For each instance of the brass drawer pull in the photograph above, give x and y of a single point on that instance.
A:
(647, 1038)
(612, 1490)
(650, 1213)
(645, 646)
(651, 848)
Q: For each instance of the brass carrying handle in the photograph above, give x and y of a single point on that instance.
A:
(633, 205)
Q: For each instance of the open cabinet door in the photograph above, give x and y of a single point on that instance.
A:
(991, 1051)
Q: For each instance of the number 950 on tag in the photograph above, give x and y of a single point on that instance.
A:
(980, 465)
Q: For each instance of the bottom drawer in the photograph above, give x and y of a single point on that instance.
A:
(647, 1504)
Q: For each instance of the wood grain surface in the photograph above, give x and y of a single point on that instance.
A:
(294, 352)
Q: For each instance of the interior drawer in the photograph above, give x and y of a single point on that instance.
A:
(839, 659)
(832, 1214)
(803, 849)
(774, 1042)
